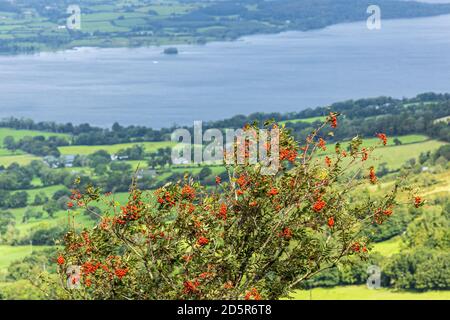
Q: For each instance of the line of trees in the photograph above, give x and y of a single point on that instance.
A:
(423, 263)
(39, 145)
(364, 116)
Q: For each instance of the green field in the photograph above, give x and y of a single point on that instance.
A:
(395, 156)
(363, 293)
(375, 142)
(117, 20)
(389, 247)
(112, 149)
(443, 119)
(8, 157)
(407, 139)
(19, 134)
(49, 191)
(20, 290)
(10, 254)
(6, 152)
(306, 120)
(22, 159)
(60, 218)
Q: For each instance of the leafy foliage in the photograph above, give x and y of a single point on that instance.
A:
(256, 236)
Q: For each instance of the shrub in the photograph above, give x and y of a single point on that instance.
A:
(422, 269)
(46, 236)
(255, 236)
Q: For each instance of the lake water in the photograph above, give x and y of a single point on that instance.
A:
(284, 72)
(432, 1)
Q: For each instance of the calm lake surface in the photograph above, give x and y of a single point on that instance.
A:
(284, 72)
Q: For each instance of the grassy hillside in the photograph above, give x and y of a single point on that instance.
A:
(394, 155)
(6, 152)
(9, 254)
(85, 150)
(19, 134)
(389, 247)
(22, 159)
(363, 293)
(306, 120)
(8, 157)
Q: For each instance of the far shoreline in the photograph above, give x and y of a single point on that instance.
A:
(198, 44)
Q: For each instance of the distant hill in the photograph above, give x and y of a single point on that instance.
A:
(29, 26)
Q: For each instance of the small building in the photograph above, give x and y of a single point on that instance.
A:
(51, 161)
(68, 160)
(63, 161)
(115, 157)
(143, 173)
(181, 160)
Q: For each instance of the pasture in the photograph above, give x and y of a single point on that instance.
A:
(112, 149)
(10, 254)
(306, 120)
(21, 159)
(19, 134)
(363, 293)
(389, 247)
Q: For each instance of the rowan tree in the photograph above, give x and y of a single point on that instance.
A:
(252, 237)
